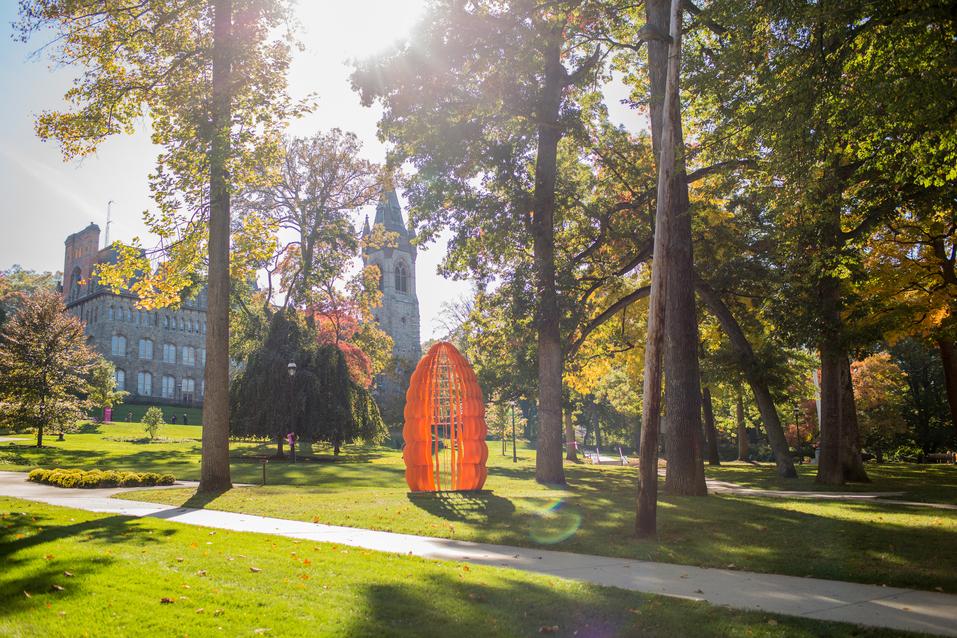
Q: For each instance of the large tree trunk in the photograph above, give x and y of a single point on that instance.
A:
(753, 373)
(830, 469)
(571, 446)
(744, 446)
(711, 433)
(214, 473)
(685, 473)
(548, 457)
(646, 507)
(948, 357)
(851, 461)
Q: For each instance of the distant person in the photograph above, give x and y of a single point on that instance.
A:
(185, 419)
(173, 420)
(129, 416)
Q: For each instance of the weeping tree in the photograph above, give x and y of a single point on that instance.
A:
(320, 402)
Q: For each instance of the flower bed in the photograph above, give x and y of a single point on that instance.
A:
(99, 478)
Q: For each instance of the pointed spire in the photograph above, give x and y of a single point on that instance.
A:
(366, 230)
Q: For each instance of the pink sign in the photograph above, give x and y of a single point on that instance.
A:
(107, 415)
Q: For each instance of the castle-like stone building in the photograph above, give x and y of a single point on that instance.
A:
(160, 355)
(399, 313)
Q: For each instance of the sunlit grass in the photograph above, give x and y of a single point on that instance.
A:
(72, 573)
(594, 515)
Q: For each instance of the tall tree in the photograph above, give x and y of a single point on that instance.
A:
(44, 366)
(210, 76)
(484, 138)
(685, 472)
(850, 115)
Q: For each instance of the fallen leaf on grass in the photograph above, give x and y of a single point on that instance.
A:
(166, 601)
(200, 610)
(218, 612)
(548, 629)
(201, 572)
(27, 594)
(772, 621)
(55, 587)
(179, 559)
(255, 570)
(476, 597)
(68, 574)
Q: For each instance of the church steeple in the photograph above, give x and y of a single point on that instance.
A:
(399, 313)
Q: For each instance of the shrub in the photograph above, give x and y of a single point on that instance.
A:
(152, 420)
(98, 478)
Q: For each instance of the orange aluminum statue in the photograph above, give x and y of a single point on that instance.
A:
(444, 429)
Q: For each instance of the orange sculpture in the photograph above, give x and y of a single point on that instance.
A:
(444, 429)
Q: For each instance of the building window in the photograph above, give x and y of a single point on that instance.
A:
(182, 325)
(189, 356)
(169, 386)
(146, 349)
(202, 357)
(166, 321)
(118, 346)
(75, 280)
(120, 379)
(401, 277)
(129, 314)
(144, 384)
(109, 313)
(169, 353)
(189, 388)
(204, 327)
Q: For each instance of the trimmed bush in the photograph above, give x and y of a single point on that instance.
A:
(98, 478)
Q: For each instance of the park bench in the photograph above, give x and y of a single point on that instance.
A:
(940, 457)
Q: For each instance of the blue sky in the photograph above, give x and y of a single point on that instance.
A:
(45, 199)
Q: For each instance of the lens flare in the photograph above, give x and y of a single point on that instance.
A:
(557, 522)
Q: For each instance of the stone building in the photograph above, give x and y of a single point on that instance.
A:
(159, 355)
(398, 315)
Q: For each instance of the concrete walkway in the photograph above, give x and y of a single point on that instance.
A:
(733, 489)
(889, 607)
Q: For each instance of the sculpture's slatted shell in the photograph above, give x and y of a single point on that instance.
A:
(444, 403)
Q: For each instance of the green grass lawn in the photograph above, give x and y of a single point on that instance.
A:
(865, 541)
(928, 483)
(72, 573)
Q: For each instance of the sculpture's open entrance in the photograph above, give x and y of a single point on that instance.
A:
(445, 436)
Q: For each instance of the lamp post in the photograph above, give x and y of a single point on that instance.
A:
(514, 452)
(291, 370)
(797, 429)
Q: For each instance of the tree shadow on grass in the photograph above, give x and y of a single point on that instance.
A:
(473, 507)
(456, 604)
(25, 530)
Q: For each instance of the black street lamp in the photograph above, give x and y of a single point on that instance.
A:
(291, 370)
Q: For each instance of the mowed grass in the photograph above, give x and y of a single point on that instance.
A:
(868, 542)
(934, 483)
(73, 573)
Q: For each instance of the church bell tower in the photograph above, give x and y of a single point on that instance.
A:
(399, 313)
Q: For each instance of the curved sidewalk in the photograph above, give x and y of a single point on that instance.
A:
(856, 603)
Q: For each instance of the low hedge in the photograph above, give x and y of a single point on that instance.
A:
(99, 478)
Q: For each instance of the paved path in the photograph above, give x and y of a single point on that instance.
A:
(733, 489)
(872, 605)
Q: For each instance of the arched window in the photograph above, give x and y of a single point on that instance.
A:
(120, 379)
(146, 348)
(169, 353)
(109, 313)
(144, 384)
(401, 277)
(189, 356)
(169, 386)
(118, 346)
